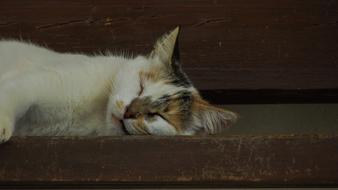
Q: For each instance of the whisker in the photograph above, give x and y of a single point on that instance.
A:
(145, 131)
(137, 129)
(141, 129)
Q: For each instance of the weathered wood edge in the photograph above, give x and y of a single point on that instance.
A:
(257, 44)
(112, 162)
(270, 96)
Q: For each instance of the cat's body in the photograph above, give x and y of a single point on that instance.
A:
(43, 92)
(65, 94)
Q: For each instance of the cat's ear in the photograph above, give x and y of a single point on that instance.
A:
(210, 119)
(166, 48)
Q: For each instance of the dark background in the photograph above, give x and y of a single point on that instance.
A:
(257, 44)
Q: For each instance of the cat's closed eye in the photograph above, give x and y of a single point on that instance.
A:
(152, 114)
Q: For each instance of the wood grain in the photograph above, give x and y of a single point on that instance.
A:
(256, 44)
(231, 161)
(270, 96)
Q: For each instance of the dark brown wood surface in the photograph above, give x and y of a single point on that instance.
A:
(233, 161)
(270, 96)
(243, 44)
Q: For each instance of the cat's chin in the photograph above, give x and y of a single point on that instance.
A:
(124, 129)
(118, 123)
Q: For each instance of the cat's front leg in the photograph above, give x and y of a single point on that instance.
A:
(6, 128)
(14, 102)
(7, 119)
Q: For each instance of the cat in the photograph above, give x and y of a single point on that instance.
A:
(46, 93)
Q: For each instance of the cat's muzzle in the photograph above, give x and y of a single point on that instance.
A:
(124, 127)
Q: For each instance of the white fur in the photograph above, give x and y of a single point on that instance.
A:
(161, 127)
(49, 93)
(43, 92)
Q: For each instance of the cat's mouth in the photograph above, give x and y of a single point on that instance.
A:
(124, 127)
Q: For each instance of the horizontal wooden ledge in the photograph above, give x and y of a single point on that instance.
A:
(230, 161)
(270, 96)
(249, 44)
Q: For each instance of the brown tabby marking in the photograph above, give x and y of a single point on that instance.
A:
(153, 75)
(199, 103)
(169, 109)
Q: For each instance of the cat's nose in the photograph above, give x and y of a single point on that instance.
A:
(130, 115)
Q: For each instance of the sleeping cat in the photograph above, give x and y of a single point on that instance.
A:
(45, 93)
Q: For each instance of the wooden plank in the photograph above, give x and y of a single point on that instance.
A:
(232, 161)
(270, 96)
(243, 44)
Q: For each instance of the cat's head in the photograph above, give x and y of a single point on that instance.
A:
(164, 101)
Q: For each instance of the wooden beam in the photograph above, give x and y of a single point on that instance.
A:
(270, 96)
(231, 161)
(242, 44)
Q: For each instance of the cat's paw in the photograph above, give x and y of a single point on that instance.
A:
(6, 129)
